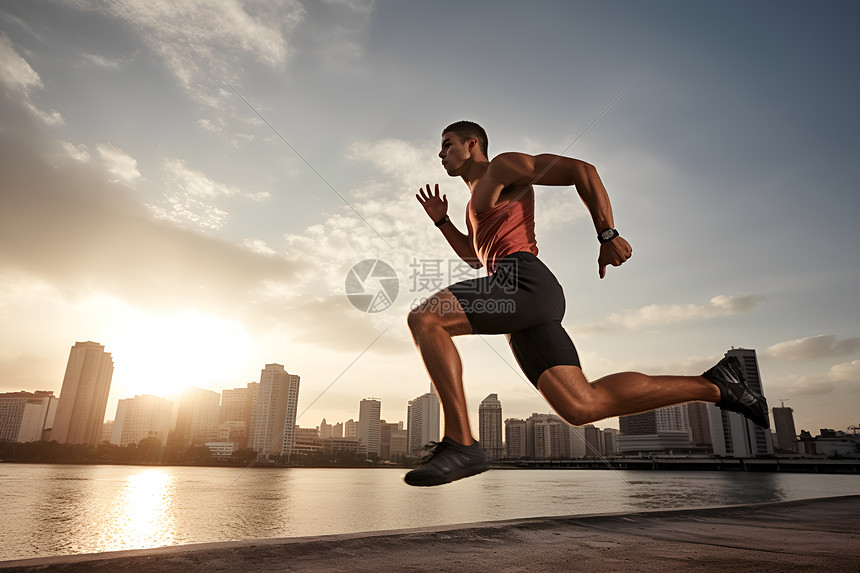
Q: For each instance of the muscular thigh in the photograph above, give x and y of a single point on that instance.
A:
(444, 309)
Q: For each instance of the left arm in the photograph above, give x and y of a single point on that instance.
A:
(546, 169)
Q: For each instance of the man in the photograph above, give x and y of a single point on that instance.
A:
(521, 298)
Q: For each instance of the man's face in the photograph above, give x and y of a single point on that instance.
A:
(454, 154)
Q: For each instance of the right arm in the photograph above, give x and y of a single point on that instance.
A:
(437, 209)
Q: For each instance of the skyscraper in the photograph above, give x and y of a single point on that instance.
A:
(662, 429)
(237, 409)
(141, 417)
(490, 427)
(422, 424)
(198, 412)
(24, 416)
(273, 431)
(515, 438)
(786, 435)
(732, 434)
(368, 426)
(83, 397)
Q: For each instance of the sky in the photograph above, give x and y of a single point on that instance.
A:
(189, 184)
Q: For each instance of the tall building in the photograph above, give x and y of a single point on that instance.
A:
(325, 430)
(337, 430)
(786, 435)
(422, 423)
(490, 427)
(368, 425)
(199, 410)
(237, 412)
(350, 429)
(700, 427)
(593, 443)
(547, 437)
(273, 431)
(84, 395)
(24, 416)
(657, 430)
(515, 438)
(732, 434)
(610, 441)
(141, 417)
(389, 447)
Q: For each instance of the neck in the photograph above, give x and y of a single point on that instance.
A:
(473, 173)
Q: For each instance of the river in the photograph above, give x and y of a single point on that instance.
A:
(67, 509)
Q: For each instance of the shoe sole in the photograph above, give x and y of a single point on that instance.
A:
(445, 479)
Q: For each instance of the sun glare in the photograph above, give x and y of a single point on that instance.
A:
(163, 354)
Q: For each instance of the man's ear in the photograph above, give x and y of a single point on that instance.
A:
(472, 143)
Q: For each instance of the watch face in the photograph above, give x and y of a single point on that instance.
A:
(607, 234)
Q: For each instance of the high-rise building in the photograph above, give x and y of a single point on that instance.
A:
(700, 428)
(732, 434)
(368, 426)
(273, 432)
(547, 437)
(237, 412)
(325, 430)
(515, 438)
(337, 430)
(786, 435)
(141, 417)
(422, 423)
(490, 427)
(84, 395)
(24, 416)
(389, 448)
(198, 412)
(610, 441)
(350, 429)
(593, 443)
(657, 430)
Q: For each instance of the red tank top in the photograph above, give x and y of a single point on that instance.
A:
(505, 229)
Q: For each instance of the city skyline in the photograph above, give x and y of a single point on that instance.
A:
(746, 355)
(147, 204)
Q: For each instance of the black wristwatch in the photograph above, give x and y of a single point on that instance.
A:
(607, 235)
(442, 221)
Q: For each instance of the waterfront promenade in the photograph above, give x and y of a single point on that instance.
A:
(808, 535)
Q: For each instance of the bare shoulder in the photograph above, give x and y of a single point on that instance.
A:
(511, 168)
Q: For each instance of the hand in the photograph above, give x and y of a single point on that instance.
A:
(435, 207)
(614, 253)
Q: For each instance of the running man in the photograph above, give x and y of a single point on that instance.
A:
(521, 298)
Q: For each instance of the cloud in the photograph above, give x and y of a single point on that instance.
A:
(64, 220)
(844, 376)
(656, 315)
(189, 199)
(205, 44)
(117, 161)
(821, 346)
(19, 79)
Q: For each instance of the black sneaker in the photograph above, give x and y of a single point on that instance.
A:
(447, 461)
(735, 395)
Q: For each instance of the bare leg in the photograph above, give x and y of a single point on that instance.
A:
(433, 324)
(580, 402)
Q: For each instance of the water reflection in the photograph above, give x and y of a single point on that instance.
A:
(143, 513)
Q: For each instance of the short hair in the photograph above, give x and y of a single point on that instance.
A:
(467, 130)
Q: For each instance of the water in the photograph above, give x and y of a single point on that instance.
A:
(66, 509)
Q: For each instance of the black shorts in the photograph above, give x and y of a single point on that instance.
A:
(523, 300)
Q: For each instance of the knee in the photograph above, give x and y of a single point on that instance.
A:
(419, 320)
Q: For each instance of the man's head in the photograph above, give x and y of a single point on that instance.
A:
(466, 130)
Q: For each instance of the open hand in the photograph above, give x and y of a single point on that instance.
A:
(435, 206)
(614, 253)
